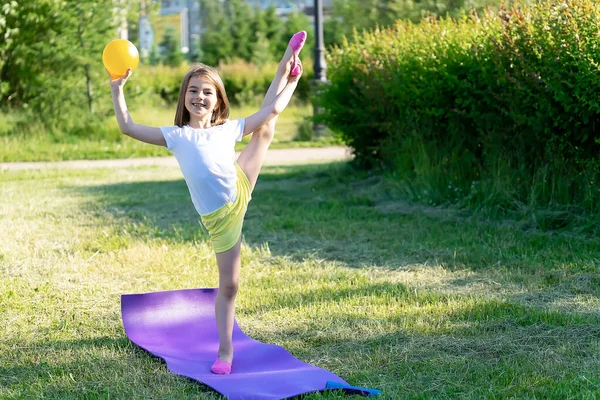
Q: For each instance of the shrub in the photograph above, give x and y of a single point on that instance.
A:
(453, 105)
(245, 83)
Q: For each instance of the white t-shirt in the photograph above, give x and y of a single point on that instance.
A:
(207, 160)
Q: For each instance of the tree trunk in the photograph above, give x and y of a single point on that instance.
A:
(86, 66)
(120, 12)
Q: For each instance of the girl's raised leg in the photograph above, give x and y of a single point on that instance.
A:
(252, 157)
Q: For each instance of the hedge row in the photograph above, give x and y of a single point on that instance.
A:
(245, 83)
(517, 87)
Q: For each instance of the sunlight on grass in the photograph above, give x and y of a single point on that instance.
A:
(417, 302)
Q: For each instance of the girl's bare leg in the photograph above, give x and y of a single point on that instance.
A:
(229, 264)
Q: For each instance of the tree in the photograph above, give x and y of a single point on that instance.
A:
(240, 14)
(334, 30)
(263, 31)
(154, 56)
(296, 21)
(169, 48)
(51, 55)
(261, 49)
(273, 27)
(216, 43)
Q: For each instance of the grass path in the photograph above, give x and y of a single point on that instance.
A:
(418, 302)
(288, 156)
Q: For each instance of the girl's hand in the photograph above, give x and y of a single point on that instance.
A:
(120, 82)
(296, 78)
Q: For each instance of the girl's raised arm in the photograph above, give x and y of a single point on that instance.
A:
(143, 133)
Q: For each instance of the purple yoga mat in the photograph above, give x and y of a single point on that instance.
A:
(179, 326)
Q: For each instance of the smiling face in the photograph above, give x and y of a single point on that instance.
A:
(200, 100)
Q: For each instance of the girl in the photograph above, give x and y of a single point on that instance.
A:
(203, 141)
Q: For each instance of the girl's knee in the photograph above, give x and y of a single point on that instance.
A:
(228, 289)
(266, 132)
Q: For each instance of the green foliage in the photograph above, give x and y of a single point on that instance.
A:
(51, 68)
(347, 16)
(296, 22)
(245, 82)
(305, 130)
(233, 30)
(170, 53)
(237, 14)
(50, 54)
(273, 28)
(461, 104)
(216, 39)
(262, 50)
(156, 86)
(154, 56)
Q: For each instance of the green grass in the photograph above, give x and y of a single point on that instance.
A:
(420, 302)
(108, 143)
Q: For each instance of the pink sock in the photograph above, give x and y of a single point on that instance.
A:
(221, 367)
(296, 43)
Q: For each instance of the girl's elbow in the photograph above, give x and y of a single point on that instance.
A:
(276, 111)
(125, 130)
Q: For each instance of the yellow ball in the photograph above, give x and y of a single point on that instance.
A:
(118, 56)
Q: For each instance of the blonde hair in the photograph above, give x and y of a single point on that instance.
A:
(221, 111)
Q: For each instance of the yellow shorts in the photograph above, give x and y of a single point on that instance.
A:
(224, 225)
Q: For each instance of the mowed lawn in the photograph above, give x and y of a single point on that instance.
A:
(419, 302)
(40, 145)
